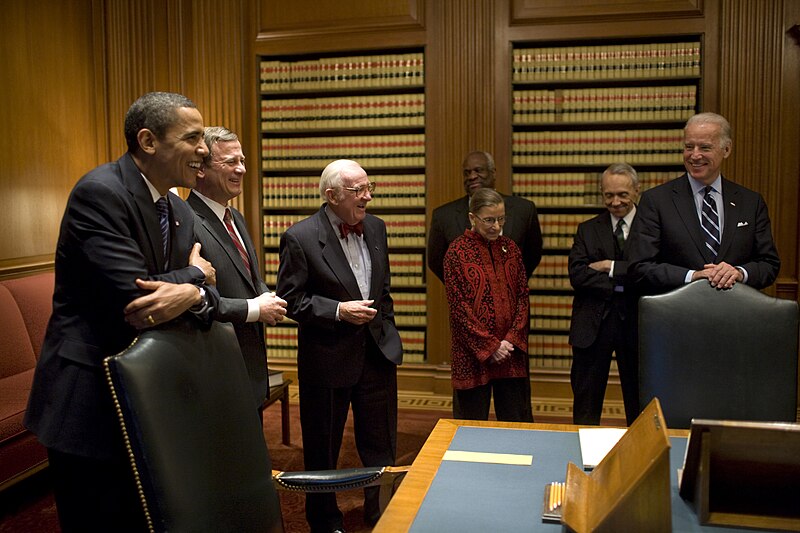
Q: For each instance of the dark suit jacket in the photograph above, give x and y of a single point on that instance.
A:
(313, 278)
(594, 290)
(666, 239)
(110, 236)
(235, 285)
(451, 219)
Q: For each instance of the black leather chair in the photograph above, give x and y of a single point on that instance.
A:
(721, 355)
(195, 440)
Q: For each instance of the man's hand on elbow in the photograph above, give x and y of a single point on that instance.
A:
(195, 259)
(164, 302)
(603, 265)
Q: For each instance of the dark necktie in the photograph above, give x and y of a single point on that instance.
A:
(235, 238)
(162, 208)
(619, 234)
(345, 229)
(710, 222)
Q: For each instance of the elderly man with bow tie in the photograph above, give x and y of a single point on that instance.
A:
(334, 275)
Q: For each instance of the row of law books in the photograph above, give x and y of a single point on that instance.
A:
(413, 345)
(558, 229)
(604, 104)
(573, 189)
(373, 111)
(282, 192)
(282, 341)
(272, 262)
(408, 270)
(405, 230)
(409, 308)
(387, 151)
(549, 351)
(552, 273)
(597, 147)
(550, 311)
(597, 62)
(385, 70)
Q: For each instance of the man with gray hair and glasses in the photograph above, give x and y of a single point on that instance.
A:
(334, 274)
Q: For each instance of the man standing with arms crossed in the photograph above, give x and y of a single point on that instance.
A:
(604, 307)
(125, 261)
(334, 274)
(245, 299)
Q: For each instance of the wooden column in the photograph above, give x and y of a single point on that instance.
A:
(460, 83)
(758, 90)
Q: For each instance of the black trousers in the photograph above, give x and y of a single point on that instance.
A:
(590, 367)
(323, 414)
(512, 401)
(94, 495)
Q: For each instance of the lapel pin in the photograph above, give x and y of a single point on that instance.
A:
(733, 204)
(177, 222)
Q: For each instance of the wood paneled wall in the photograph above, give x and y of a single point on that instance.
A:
(758, 94)
(52, 118)
(71, 70)
(193, 47)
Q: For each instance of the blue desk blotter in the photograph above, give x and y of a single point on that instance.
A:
(479, 497)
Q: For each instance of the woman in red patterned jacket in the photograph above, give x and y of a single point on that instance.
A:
(487, 292)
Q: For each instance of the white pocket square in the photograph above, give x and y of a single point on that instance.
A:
(741, 224)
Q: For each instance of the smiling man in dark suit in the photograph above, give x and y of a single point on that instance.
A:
(334, 274)
(125, 260)
(701, 225)
(245, 300)
(604, 308)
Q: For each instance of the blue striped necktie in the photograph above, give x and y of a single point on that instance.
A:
(162, 207)
(710, 221)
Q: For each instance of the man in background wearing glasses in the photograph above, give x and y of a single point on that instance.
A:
(245, 300)
(334, 275)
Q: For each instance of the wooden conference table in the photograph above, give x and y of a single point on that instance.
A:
(406, 502)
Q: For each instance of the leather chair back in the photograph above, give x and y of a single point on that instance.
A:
(720, 355)
(195, 438)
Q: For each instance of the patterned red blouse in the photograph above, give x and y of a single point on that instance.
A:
(487, 292)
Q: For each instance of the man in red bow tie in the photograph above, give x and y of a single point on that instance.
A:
(334, 275)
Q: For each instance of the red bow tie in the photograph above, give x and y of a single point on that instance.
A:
(345, 229)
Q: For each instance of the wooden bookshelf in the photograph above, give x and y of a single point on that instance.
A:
(368, 106)
(577, 107)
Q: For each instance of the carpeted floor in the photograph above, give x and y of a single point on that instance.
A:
(29, 507)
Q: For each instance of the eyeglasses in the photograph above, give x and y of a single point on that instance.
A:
(491, 221)
(359, 191)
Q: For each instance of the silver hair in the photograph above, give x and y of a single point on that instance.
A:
(725, 131)
(626, 170)
(332, 178)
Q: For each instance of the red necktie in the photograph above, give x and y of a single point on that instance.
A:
(346, 229)
(235, 238)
